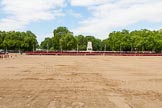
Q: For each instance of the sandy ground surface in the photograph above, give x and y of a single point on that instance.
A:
(81, 82)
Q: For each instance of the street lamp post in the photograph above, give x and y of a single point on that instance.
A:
(47, 47)
(131, 46)
(105, 47)
(77, 48)
(33, 47)
(120, 48)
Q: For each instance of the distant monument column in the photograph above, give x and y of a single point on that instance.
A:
(89, 46)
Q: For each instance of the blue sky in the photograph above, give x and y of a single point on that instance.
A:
(87, 17)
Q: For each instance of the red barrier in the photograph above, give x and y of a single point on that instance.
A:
(93, 54)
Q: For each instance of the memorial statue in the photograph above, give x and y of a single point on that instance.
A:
(89, 46)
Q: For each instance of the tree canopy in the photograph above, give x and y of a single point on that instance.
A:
(64, 40)
(137, 40)
(13, 40)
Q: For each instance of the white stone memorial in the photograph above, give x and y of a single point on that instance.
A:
(89, 46)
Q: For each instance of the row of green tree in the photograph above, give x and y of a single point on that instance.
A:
(63, 39)
(138, 40)
(24, 41)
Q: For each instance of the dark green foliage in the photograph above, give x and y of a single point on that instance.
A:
(59, 34)
(47, 43)
(81, 43)
(17, 40)
(138, 40)
(63, 39)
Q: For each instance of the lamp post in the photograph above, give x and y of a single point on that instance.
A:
(47, 47)
(105, 47)
(77, 48)
(131, 47)
(33, 47)
(120, 48)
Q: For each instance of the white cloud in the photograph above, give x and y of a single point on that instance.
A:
(109, 15)
(74, 14)
(19, 13)
(88, 2)
(105, 15)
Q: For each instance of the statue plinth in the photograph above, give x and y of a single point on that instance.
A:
(89, 46)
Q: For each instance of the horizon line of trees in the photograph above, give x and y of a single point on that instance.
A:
(18, 41)
(137, 40)
(64, 40)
